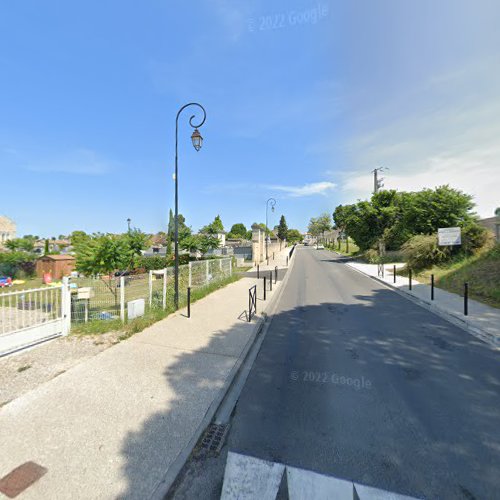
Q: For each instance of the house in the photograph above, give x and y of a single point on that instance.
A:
(155, 251)
(493, 224)
(63, 246)
(55, 265)
(7, 230)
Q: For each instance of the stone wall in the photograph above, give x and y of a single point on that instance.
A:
(259, 245)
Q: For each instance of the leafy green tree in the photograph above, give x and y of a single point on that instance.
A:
(238, 231)
(425, 211)
(209, 242)
(319, 225)
(293, 236)
(102, 254)
(282, 229)
(214, 227)
(393, 217)
(200, 243)
(191, 243)
(17, 264)
(136, 240)
(23, 244)
(77, 236)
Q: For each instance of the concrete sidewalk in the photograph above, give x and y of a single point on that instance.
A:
(113, 426)
(482, 321)
(280, 260)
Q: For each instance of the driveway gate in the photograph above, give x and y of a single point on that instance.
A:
(28, 317)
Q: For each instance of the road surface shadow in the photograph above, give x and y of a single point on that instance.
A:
(426, 425)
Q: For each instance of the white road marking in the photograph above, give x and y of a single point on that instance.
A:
(368, 493)
(246, 478)
(250, 478)
(304, 485)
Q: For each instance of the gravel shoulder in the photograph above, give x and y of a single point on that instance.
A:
(23, 372)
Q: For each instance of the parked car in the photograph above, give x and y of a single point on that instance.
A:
(5, 281)
(320, 247)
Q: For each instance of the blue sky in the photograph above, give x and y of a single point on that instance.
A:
(303, 100)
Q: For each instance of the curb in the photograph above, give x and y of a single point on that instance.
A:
(163, 487)
(490, 339)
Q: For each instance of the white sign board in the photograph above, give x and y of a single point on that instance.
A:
(449, 236)
(85, 292)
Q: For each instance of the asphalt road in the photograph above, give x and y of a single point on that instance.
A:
(355, 381)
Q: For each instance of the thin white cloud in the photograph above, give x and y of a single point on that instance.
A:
(314, 188)
(80, 161)
(449, 137)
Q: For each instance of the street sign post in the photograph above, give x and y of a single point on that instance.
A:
(449, 236)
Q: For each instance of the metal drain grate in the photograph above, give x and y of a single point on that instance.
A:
(214, 437)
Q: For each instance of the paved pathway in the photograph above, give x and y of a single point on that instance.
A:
(482, 320)
(112, 426)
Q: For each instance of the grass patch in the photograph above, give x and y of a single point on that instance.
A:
(151, 316)
(481, 271)
(352, 250)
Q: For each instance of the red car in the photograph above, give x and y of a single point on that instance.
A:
(5, 281)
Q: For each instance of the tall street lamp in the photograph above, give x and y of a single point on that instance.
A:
(128, 223)
(197, 141)
(272, 202)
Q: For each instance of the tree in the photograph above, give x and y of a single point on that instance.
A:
(200, 242)
(282, 229)
(215, 227)
(102, 254)
(293, 236)
(136, 241)
(23, 244)
(17, 264)
(209, 242)
(319, 225)
(393, 218)
(77, 237)
(497, 212)
(238, 231)
(191, 243)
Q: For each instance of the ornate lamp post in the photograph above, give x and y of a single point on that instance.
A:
(129, 220)
(197, 141)
(272, 202)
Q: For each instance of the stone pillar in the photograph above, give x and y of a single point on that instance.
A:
(257, 244)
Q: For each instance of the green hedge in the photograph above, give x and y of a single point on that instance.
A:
(17, 264)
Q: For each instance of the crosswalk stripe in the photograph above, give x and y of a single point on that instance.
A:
(304, 484)
(250, 478)
(369, 493)
(247, 478)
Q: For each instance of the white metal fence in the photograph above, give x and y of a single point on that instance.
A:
(30, 316)
(106, 298)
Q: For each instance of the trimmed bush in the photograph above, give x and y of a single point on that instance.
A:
(422, 251)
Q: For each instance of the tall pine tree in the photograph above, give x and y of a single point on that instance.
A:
(282, 228)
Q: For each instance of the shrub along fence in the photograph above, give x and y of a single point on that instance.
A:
(125, 297)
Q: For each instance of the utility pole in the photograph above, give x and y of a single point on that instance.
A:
(377, 183)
